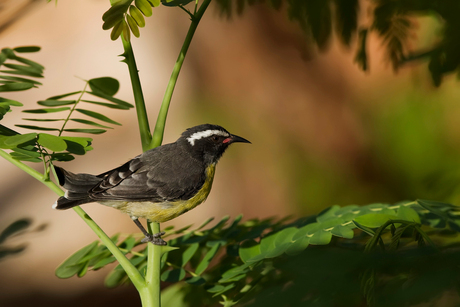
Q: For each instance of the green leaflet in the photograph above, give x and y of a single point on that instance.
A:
(373, 220)
(52, 142)
(46, 110)
(27, 49)
(55, 103)
(70, 266)
(207, 259)
(173, 275)
(104, 85)
(20, 139)
(91, 131)
(144, 7)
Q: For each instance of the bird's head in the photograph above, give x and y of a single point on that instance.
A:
(208, 141)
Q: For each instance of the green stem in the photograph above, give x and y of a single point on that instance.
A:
(161, 120)
(144, 128)
(152, 276)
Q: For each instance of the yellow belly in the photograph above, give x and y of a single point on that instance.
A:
(165, 211)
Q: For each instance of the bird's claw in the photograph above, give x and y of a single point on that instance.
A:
(155, 238)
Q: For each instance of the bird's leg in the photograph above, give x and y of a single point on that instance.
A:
(154, 238)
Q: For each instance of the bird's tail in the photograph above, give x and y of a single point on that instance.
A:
(77, 186)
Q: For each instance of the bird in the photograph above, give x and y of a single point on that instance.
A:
(159, 184)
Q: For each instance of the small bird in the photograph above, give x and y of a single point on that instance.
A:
(159, 184)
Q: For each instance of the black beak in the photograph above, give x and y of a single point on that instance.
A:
(236, 139)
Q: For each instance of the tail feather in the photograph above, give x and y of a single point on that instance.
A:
(63, 203)
(77, 186)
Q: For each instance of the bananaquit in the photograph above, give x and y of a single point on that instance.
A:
(160, 184)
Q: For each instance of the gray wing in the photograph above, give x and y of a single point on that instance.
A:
(164, 173)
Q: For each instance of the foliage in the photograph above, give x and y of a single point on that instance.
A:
(15, 229)
(256, 262)
(247, 254)
(391, 20)
(125, 18)
(44, 147)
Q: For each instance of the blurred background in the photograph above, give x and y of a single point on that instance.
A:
(323, 131)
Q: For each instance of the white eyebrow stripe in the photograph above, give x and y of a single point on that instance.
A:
(204, 134)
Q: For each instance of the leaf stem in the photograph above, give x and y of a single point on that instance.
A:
(73, 108)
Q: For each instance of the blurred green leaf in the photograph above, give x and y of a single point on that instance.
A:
(298, 246)
(26, 49)
(104, 85)
(19, 152)
(117, 30)
(173, 275)
(408, 214)
(196, 280)
(98, 116)
(55, 103)
(30, 63)
(11, 102)
(22, 73)
(137, 15)
(207, 259)
(89, 122)
(20, 139)
(109, 105)
(188, 253)
(321, 237)
(47, 110)
(248, 250)
(111, 99)
(70, 266)
(133, 25)
(102, 263)
(19, 79)
(83, 141)
(144, 7)
(117, 8)
(172, 3)
(37, 128)
(374, 220)
(55, 143)
(44, 119)
(62, 156)
(57, 97)
(7, 131)
(26, 69)
(14, 228)
(18, 86)
(343, 231)
(115, 278)
(91, 131)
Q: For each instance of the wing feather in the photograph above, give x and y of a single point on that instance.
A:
(162, 174)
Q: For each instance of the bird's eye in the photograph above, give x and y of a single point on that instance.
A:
(215, 138)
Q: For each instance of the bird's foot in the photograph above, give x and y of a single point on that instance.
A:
(155, 238)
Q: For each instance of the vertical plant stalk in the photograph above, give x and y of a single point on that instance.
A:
(150, 293)
(152, 276)
(161, 120)
(129, 268)
(144, 128)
